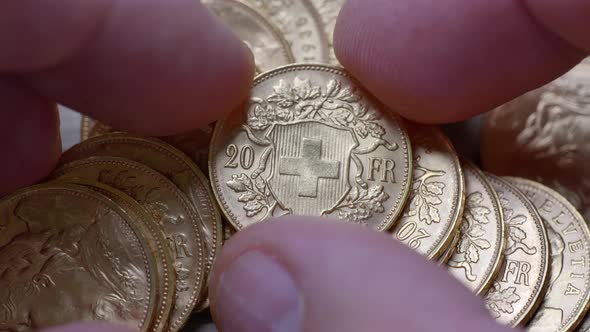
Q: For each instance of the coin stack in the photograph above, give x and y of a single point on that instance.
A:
(127, 227)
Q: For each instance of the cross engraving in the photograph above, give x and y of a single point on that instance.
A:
(309, 167)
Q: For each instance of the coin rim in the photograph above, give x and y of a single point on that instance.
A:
(533, 304)
(165, 150)
(137, 228)
(161, 250)
(197, 290)
(275, 31)
(392, 217)
(494, 269)
(584, 304)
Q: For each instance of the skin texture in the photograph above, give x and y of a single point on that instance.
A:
(158, 67)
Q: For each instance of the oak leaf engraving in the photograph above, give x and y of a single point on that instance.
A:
(516, 235)
(254, 194)
(426, 195)
(360, 204)
(500, 301)
(475, 215)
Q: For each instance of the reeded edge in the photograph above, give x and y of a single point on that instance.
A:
(185, 202)
(495, 269)
(133, 209)
(85, 127)
(275, 31)
(525, 315)
(138, 230)
(391, 217)
(458, 206)
(166, 150)
(577, 216)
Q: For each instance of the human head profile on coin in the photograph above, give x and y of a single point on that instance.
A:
(321, 212)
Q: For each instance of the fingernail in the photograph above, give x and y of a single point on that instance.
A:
(256, 293)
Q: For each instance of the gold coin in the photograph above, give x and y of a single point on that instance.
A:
(168, 206)
(300, 24)
(310, 142)
(159, 244)
(568, 294)
(543, 136)
(268, 45)
(228, 232)
(92, 128)
(433, 213)
(170, 162)
(328, 11)
(519, 288)
(480, 250)
(194, 144)
(69, 254)
(446, 256)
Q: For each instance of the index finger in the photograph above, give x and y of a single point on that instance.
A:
(444, 61)
(154, 67)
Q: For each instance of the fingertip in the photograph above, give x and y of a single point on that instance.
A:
(30, 125)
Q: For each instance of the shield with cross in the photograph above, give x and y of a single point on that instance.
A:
(310, 166)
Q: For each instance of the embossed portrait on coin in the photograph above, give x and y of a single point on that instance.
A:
(73, 270)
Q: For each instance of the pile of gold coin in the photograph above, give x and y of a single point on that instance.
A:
(126, 228)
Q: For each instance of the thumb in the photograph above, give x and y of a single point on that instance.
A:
(304, 274)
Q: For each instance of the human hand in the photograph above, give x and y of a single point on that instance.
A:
(431, 61)
(152, 67)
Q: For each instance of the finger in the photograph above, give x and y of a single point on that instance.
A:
(152, 66)
(444, 61)
(30, 136)
(302, 275)
(88, 327)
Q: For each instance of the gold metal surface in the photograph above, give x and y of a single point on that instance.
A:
(519, 288)
(266, 42)
(169, 162)
(328, 11)
(310, 142)
(568, 294)
(543, 136)
(480, 250)
(446, 256)
(169, 207)
(432, 215)
(159, 245)
(68, 254)
(300, 24)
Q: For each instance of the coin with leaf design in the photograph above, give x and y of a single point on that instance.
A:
(519, 288)
(568, 294)
(311, 142)
(480, 249)
(433, 214)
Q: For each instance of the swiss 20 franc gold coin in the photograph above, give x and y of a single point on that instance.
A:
(301, 25)
(69, 254)
(311, 142)
(168, 206)
(433, 214)
(266, 42)
(328, 11)
(480, 250)
(543, 136)
(568, 294)
(195, 144)
(177, 167)
(520, 287)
